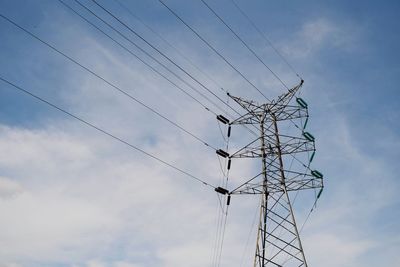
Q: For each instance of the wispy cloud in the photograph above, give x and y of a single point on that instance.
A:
(322, 33)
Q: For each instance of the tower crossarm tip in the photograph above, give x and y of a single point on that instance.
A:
(285, 98)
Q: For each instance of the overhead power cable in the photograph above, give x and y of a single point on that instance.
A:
(160, 52)
(264, 36)
(135, 16)
(147, 64)
(109, 83)
(219, 257)
(244, 43)
(137, 57)
(212, 48)
(219, 240)
(91, 125)
(149, 55)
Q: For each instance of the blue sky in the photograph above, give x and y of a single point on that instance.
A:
(70, 196)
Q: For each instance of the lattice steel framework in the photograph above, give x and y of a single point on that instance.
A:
(278, 240)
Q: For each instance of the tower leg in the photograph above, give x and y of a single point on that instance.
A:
(278, 241)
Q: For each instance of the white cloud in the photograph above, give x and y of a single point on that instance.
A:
(125, 264)
(50, 226)
(335, 250)
(42, 149)
(73, 210)
(9, 188)
(322, 34)
(10, 264)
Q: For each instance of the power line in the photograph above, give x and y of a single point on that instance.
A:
(169, 44)
(148, 54)
(109, 83)
(139, 58)
(220, 232)
(147, 64)
(170, 60)
(136, 56)
(91, 125)
(263, 35)
(160, 52)
(219, 257)
(212, 48)
(244, 43)
(249, 235)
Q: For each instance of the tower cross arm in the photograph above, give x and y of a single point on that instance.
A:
(251, 107)
(283, 100)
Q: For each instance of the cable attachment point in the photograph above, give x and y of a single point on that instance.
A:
(222, 153)
(221, 190)
(222, 119)
(309, 136)
(301, 102)
(317, 174)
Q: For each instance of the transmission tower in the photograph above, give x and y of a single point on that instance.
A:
(278, 239)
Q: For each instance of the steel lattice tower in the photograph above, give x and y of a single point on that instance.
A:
(278, 240)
